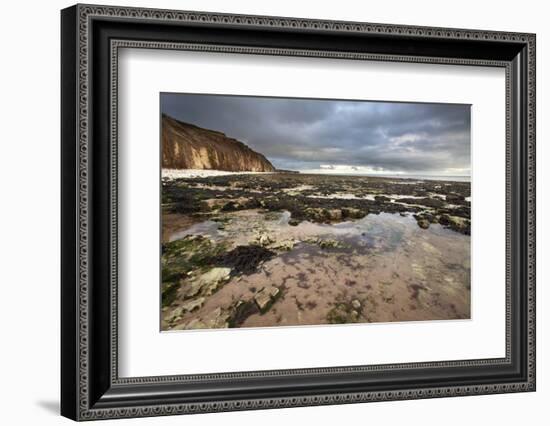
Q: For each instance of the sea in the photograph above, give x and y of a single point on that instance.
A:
(429, 177)
(449, 178)
(188, 173)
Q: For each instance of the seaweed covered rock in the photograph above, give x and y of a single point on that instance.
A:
(330, 244)
(353, 213)
(343, 313)
(182, 261)
(245, 259)
(456, 223)
(422, 220)
(455, 198)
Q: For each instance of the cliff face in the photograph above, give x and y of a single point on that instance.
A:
(185, 146)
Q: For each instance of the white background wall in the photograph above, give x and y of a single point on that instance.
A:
(29, 230)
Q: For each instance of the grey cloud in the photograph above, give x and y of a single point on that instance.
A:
(305, 133)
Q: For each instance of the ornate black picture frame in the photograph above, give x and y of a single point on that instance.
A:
(91, 36)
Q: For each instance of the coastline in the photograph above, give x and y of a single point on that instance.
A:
(201, 173)
(268, 249)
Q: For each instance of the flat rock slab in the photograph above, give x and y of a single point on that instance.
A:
(265, 297)
(193, 304)
(211, 280)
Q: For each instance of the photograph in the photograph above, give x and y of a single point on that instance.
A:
(264, 208)
(291, 211)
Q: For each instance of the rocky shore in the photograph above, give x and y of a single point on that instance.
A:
(291, 249)
(321, 198)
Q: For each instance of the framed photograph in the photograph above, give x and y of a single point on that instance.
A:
(263, 212)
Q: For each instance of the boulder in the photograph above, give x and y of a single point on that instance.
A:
(334, 214)
(423, 223)
(456, 223)
(316, 214)
(352, 213)
(265, 297)
(264, 239)
(212, 280)
(423, 220)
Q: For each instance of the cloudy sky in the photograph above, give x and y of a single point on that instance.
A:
(337, 136)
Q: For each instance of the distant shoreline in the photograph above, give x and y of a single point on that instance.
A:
(202, 173)
(398, 176)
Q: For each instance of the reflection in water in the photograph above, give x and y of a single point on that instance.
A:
(285, 217)
(208, 228)
(376, 269)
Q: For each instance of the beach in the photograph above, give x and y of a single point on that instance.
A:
(291, 249)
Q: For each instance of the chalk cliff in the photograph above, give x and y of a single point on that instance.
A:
(186, 146)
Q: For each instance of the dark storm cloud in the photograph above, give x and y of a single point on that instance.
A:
(305, 134)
